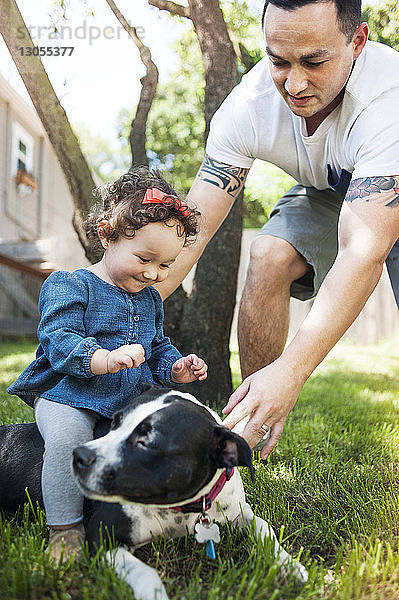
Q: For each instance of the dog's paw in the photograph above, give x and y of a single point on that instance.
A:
(300, 573)
(145, 590)
(294, 569)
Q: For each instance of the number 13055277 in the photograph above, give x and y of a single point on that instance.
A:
(46, 50)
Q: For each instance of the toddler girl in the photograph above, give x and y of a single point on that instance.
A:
(101, 336)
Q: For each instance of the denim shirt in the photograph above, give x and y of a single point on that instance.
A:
(79, 314)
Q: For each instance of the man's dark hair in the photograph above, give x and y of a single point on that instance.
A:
(348, 12)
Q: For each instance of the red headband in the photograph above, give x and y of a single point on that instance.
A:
(156, 196)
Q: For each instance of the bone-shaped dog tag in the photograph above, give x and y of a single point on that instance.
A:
(206, 531)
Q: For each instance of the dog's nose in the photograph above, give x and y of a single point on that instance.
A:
(83, 457)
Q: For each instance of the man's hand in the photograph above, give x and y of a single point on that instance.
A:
(265, 398)
(188, 369)
(129, 356)
(368, 228)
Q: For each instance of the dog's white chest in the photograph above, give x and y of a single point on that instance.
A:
(147, 523)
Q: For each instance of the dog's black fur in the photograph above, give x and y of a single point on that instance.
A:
(21, 461)
(143, 476)
(164, 449)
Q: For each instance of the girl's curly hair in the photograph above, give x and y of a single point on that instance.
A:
(121, 204)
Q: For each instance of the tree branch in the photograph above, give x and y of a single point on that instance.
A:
(172, 7)
(128, 28)
(149, 85)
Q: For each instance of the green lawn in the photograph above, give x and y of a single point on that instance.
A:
(330, 489)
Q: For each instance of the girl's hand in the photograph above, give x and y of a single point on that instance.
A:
(129, 356)
(188, 369)
(125, 357)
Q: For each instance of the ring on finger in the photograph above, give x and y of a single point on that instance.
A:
(264, 428)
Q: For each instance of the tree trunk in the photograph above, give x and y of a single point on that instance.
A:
(149, 84)
(52, 116)
(201, 323)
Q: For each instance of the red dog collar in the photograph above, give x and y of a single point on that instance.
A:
(205, 502)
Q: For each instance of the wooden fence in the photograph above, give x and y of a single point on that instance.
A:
(378, 321)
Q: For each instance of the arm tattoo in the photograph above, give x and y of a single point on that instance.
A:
(366, 188)
(226, 177)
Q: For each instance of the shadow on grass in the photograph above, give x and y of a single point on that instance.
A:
(335, 471)
(17, 346)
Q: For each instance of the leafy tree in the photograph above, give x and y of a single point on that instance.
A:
(383, 21)
(175, 125)
(245, 32)
(107, 161)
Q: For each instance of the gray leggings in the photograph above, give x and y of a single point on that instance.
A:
(62, 428)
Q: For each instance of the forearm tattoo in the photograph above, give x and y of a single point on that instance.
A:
(226, 177)
(366, 188)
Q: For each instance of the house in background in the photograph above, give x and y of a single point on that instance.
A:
(36, 211)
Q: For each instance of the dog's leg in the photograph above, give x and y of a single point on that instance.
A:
(143, 580)
(263, 529)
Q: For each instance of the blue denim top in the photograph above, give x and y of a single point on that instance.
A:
(79, 314)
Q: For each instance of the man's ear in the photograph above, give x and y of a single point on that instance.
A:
(229, 449)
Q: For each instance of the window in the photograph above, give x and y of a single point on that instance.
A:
(22, 150)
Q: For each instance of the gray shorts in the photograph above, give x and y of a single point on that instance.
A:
(307, 218)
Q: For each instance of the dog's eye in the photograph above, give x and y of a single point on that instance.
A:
(143, 429)
(116, 420)
(140, 436)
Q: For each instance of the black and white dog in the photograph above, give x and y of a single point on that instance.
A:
(166, 466)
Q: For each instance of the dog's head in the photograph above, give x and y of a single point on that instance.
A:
(162, 449)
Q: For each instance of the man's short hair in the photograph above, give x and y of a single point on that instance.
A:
(348, 12)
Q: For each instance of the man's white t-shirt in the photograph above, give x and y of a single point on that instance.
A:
(359, 138)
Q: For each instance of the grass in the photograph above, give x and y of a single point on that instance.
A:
(330, 490)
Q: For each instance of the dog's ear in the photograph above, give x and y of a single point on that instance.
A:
(229, 449)
(148, 385)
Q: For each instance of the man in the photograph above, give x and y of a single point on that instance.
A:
(323, 106)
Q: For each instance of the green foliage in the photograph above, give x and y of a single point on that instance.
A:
(245, 29)
(266, 183)
(383, 21)
(106, 161)
(175, 128)
(176, 124)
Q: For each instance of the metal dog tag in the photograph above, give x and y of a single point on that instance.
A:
(206, 531)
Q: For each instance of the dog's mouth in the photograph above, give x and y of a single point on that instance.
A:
(100, 495)
(97, 490)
